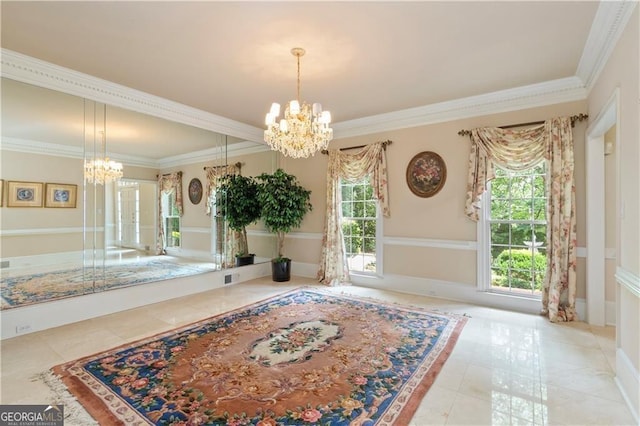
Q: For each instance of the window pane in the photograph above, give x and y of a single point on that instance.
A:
(359, 225)
(518, 231)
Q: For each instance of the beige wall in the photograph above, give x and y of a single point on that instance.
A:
(622, 72)
(440, 217)
(19, 166)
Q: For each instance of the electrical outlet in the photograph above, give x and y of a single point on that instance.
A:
(23, 328)
(227, 279)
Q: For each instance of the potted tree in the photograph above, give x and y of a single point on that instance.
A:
(284, 203)
(240, 208)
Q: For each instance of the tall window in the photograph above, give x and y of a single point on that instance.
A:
(360, 226)
(517, 228)
(171, 218)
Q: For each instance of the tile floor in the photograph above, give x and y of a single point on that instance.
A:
(507, 368)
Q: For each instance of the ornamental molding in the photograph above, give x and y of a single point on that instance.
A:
(44, 74)
(608, 24)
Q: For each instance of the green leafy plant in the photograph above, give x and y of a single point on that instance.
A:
(240, 206)
(284, 203)
(519, 263)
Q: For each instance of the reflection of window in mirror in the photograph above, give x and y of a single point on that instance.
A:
(171, 220)
(128, 214)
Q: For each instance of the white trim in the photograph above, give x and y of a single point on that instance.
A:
(36, 147)
(195, 230)
(190, 254)
(595, 215)
(606, 28)
(305, 235)
(541, 94)
(40, 73)
(608, 24)
(628, 280)
(74, 257)
(427, 242)
(467, 293)
(45, 231)
(628, 381)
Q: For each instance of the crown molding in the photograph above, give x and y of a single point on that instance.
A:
(608, 24)
(40, 73)
(548, 93)
(36, 147)
(233, 150)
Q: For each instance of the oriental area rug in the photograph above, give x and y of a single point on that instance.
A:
(305, 357)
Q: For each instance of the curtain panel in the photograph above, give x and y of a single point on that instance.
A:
(370, 160)
(227, 245)
(166, 185)
(519, 150)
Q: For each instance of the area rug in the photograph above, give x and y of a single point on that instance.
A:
(42, 287)
(303, 357)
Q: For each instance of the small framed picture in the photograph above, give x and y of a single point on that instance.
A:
(61, 195)
(24, 194)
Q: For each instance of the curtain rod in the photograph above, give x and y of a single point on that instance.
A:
(384, 146)
(238, 165)
(168, 174)
(574, 118)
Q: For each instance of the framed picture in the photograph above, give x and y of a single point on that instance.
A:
(24, 194)
(61, 195)
(1, 192)
(426, 174)
(195, 190)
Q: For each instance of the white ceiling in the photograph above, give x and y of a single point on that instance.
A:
(233, 59)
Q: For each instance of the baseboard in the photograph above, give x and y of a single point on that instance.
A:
(609, 311)
(628, 381)
(74, 257)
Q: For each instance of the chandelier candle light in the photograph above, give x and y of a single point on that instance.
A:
(304, 129)
(102, 171)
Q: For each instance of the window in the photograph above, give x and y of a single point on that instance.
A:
(128, 214)
(171, 218)
(361, 227)
(515, 219)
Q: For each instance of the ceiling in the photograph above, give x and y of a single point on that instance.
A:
(363, 59)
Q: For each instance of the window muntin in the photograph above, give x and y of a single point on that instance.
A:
(517, 225)
(360, 226)
(171, 223)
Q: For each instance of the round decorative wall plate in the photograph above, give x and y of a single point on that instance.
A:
(195, 190)
(426, 174)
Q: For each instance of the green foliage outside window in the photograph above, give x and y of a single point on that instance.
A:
(518, 228)
(525, 268)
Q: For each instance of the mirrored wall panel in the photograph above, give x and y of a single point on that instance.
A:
(96, 197)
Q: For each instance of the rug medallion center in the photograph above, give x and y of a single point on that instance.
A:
(294, 343)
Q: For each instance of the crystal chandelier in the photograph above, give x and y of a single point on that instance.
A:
(304, 129)
(102, 171)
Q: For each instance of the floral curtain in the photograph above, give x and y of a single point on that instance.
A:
(520, 150)
(369, 160)
(227, 240)
(166, 185)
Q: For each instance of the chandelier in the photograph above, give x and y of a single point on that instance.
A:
(304, 129)
(102, 171)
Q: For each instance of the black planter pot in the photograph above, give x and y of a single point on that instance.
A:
(245, 260)
(281, 270)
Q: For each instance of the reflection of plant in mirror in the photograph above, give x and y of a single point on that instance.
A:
(240, 206)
